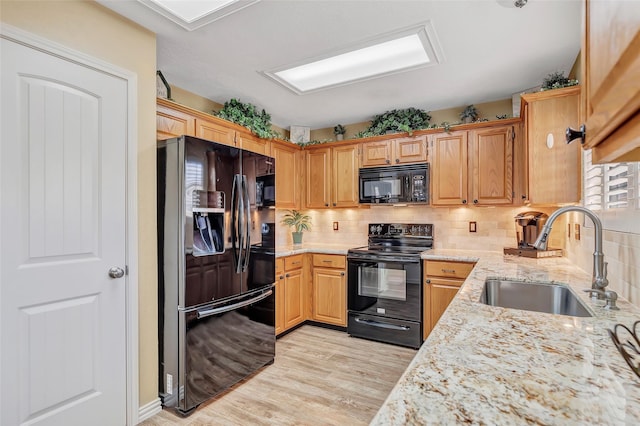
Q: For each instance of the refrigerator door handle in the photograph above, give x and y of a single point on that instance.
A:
(236, 221)
(209, 312)
(247, 246)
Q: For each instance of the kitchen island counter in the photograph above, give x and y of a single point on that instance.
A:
(490, 365)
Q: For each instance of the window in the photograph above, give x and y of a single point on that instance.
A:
(612, 191)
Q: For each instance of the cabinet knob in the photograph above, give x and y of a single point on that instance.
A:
(326, 204)
(387, 161)
(334, 204)
(524, 196)
(428, 281)
(286, 275)
(342, 274)
(475, 201)
(397, 160)
(281, 277)
(575, 134)
(464, 201)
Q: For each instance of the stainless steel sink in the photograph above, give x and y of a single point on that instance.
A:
(533, 296)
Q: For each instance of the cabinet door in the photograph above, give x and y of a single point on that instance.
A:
(376, 153)
(170, 123)
(344, 184)
(287, 175)
(449, 168)
(253, 143)
(318, 175)
(442, 293)
(294, 298)
(491, 165)
(215, 132)
(330, 296)
(410, 150)
(611, 89)
(554, 166)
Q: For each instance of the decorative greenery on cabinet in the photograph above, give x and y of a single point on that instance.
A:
(557, 80)
(247, 115)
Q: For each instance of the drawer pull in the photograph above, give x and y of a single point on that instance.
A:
(449, 271)
(328, 261)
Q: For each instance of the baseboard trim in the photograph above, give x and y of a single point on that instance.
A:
(149, 410)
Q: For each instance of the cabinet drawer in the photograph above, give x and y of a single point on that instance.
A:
(293, 262)
(442, 268)
(329, 260)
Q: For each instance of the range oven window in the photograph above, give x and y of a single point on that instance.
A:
(382, 281)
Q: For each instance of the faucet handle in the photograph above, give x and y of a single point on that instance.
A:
(594, 293)
(611, 296)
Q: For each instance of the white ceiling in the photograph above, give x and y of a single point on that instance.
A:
(489, 53)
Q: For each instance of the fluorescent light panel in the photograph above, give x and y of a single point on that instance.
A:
(404, 52)
(192, 14)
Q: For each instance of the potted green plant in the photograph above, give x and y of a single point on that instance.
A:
(339, 130)
(299, 221)
(247, 115)
(469, 114)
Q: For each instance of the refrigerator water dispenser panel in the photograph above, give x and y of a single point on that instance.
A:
(208, 231)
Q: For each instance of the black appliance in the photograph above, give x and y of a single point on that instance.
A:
(215, 279)
(385, 284)
(395, 184)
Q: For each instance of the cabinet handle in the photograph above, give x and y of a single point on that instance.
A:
(286, 275)
(334, 204)
(475, 201)
(464, 201)
(428, 281)
(328, 261)
(326, 204)
(524, 196)
(450, 271)
(397, 160)
(387, 161)
(575, 134)
(295, 263)
(342, 274)
(281, 277)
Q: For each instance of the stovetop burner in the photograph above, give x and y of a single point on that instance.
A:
(398, 239)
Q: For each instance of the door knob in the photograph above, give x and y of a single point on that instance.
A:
(116, 272)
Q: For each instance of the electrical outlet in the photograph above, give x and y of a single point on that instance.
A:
(577, 232)
(473, 227)
(335, 226)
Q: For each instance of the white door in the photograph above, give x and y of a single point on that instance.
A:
(62, 227)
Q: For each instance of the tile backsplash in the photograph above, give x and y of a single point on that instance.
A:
(621, 250)
(496, 227)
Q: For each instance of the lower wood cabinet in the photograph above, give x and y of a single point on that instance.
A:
(329, 289)
(442, 280)
(290, 292)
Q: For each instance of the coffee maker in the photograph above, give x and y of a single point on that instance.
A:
(528, 228)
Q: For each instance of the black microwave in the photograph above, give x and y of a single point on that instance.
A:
(265, 191)
(395, 184)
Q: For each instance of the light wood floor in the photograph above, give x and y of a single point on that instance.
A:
(319, 377)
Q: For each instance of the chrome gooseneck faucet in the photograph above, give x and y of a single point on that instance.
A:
(599, 278)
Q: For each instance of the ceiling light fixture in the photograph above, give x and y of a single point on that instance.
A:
(397, 52)
(512, 3)
(193, 14)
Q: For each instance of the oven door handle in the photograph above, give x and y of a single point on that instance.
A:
(382, 324)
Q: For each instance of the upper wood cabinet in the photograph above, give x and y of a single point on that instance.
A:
(171, 123)
(611, 80)
(332, 176)
(394, 151)
(288, 174)
(474, 167)
(253, 143)
(207, 129)
(491, 165)
(552, 167)
(449, 168)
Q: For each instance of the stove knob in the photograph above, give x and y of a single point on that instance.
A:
(379, 229)
(372, 229)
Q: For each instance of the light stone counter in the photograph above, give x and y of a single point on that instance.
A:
(282, 251)
(497, 366)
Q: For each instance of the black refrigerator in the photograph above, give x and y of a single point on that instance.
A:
(216, 268)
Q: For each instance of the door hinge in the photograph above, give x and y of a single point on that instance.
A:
(126, 269)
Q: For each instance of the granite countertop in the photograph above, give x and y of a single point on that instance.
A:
(497, 366)
(289, 250)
